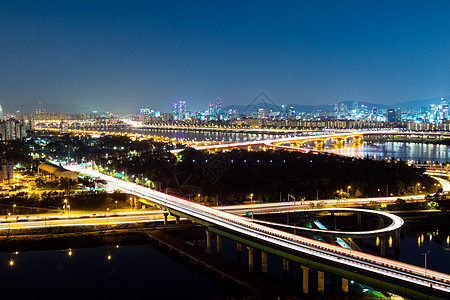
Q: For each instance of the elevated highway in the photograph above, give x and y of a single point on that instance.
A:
(395, 223)
(400, 278)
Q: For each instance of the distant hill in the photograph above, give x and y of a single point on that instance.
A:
(241, 109)
(417, 104)
(30, 108)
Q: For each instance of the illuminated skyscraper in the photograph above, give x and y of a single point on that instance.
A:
(179, 110)
(182, 110)
(218, 111)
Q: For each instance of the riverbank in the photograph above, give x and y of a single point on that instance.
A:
(74, 237)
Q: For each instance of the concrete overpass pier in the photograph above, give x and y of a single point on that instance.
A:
(345, 285)
(238, 253)
(250, 259)
(285, 267)
(208, 242)
(305, 279)
(321, 282)
(219, 245)
(264, 262)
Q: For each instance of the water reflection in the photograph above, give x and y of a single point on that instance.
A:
(395, 150)
(416, 239)
(105, 273)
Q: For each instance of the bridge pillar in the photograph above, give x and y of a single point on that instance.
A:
(397, 239)
(219, 245)
(320, 282)
(358, 219)
(285, 267)
(238, 253)
(305, 279)
(208, 242)
(263, 262)
(380, 222)
(382, 246)
(345, 285)
(250, 259)
(177, 220)
(165, 218)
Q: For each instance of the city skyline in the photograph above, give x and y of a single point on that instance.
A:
(118, 57)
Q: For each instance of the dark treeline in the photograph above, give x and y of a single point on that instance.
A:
(232, 177)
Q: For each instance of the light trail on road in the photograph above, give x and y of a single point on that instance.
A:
(356, 260)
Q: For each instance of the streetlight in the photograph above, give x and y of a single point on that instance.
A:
(348, 189)
(379, 191)
(251, 198)
(425, 254)
(14, 205)
(116, 204)
(418, 187)
(65, 205)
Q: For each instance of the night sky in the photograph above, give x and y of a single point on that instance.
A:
(119, 56)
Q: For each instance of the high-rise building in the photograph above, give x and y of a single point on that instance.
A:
(218, 111)
(41, 111)
(392, 115)
(284, 111)
(179, 110)
(12, 130)
(211, 111)
(6, 170)
(175, 109)
(182, 109)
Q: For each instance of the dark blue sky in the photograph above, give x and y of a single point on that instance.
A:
(119, 56)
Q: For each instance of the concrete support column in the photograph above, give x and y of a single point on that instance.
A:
(345, 285)
(250, 259)
(263, 262)
(383, 246)
(358, 219)
(177, 220)
(285, 265)
(219, 245)
(165, 218)
(397, 239)
(208, 242)
(305, 279)
(238, 253)
(239, 247)
(320, 282)
(380, 222)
